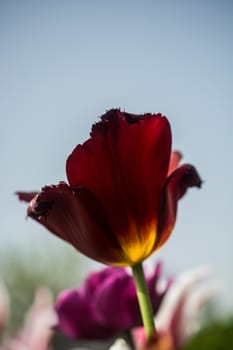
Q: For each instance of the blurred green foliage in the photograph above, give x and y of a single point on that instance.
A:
(216, 336)
(23, 272)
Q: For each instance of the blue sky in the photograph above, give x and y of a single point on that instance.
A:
(63, 63)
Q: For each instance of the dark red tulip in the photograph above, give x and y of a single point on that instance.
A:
(124, 185)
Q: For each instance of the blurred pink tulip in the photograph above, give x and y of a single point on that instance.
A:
(179, 313)
(178, 316)
(4, 306)
(37, 331)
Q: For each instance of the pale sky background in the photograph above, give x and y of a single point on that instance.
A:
(63, 63)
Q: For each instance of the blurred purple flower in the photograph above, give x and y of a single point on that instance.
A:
(106, 304)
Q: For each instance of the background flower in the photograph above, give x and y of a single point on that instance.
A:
(37, 331)
(178, 316)
(106, 304)
(4, 306)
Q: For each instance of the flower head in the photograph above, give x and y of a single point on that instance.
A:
(124, 184)
(88, 312)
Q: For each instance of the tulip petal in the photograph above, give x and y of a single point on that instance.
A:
(125, 164)
(77, 217)
(153, 281)
(26, 196)
(77, 317)
(97, 278)
(177, 184)
(175, 159)
(117, 296)
(175, 317)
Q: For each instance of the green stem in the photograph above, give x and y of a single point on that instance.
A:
(144, 299)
